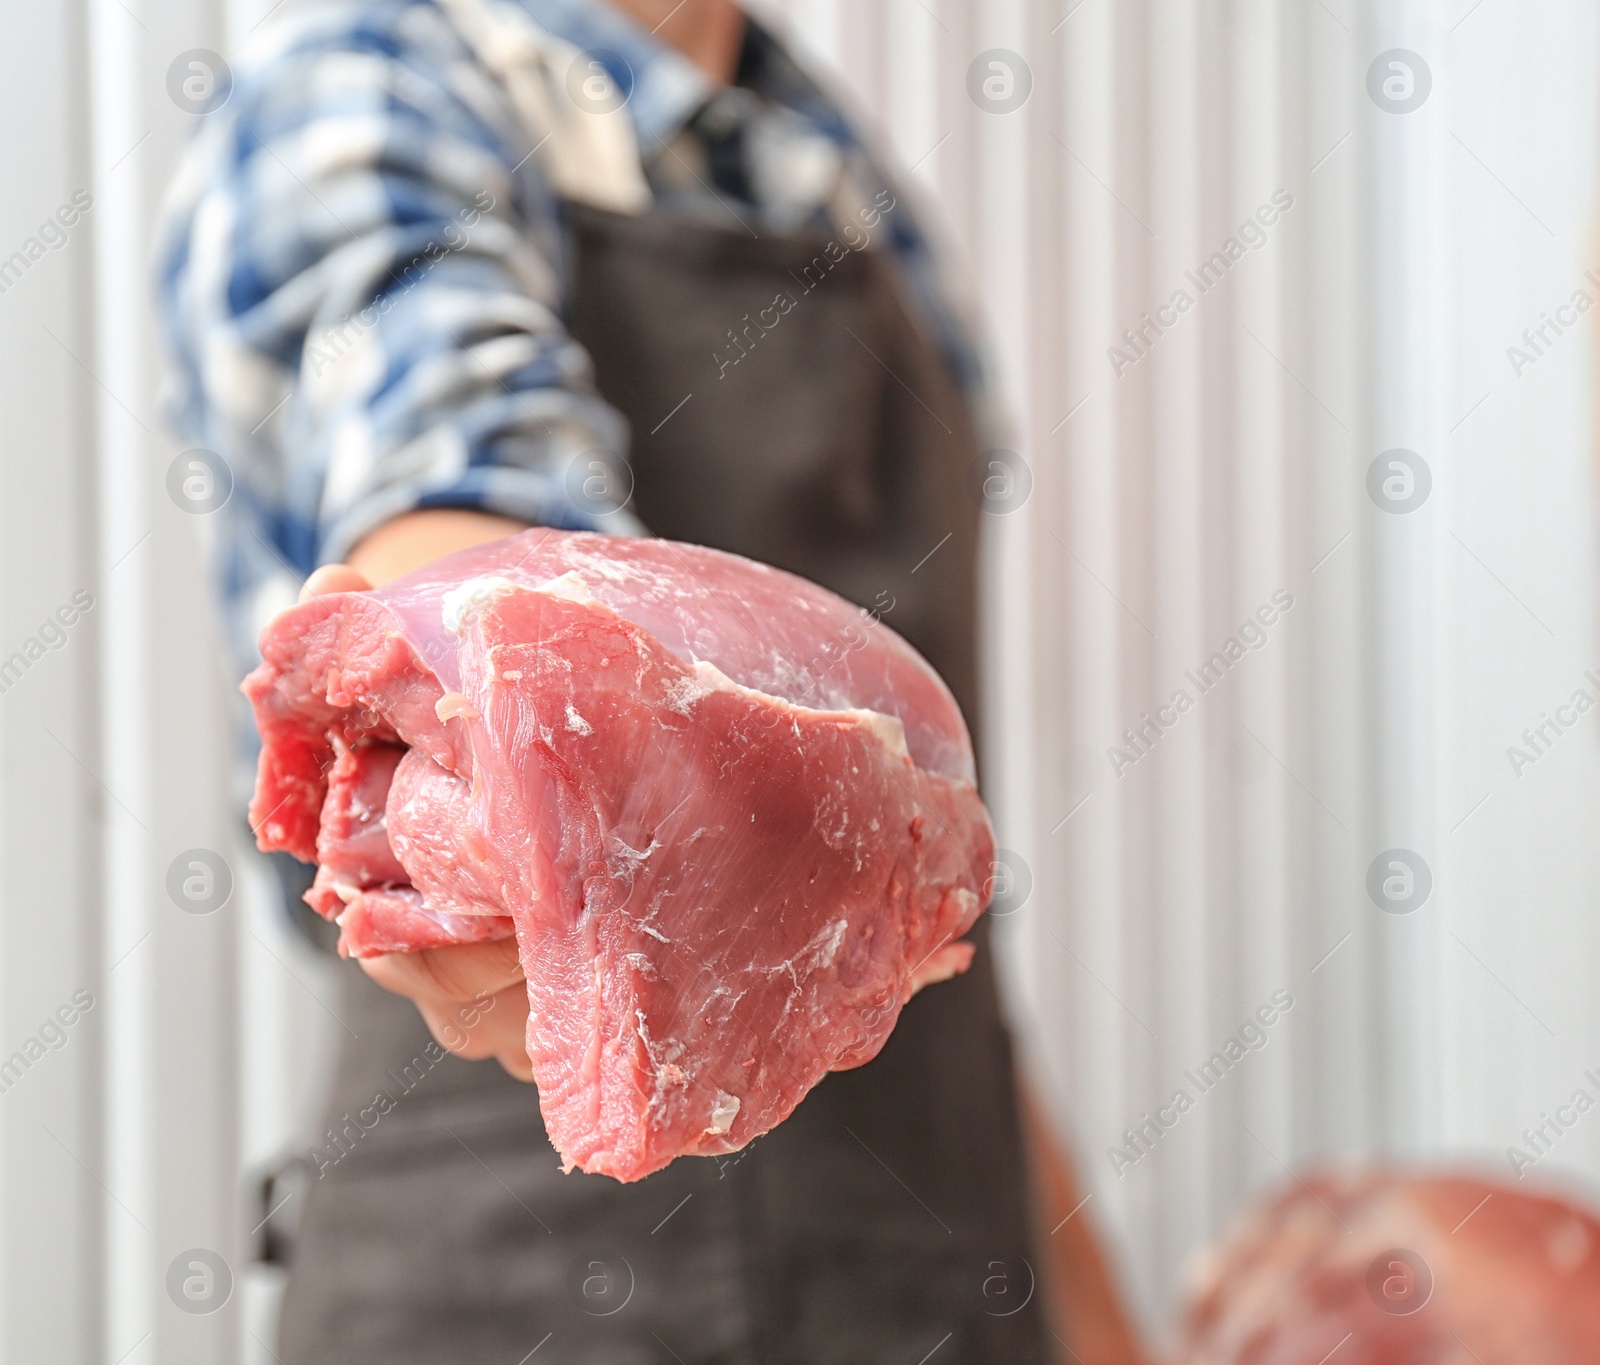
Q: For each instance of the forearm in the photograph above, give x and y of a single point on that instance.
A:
(1092, 1321)
(417, 538)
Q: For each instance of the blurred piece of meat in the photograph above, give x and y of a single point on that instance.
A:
(1396, 1269)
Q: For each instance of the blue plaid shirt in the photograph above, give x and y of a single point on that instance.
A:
(364, 270)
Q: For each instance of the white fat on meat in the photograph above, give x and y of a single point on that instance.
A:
(475, 592)
(888, 730)
(570, 587)
(818, 954)
(454, 704)
(723, 1114)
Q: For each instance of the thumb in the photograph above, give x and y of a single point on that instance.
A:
(333, 578)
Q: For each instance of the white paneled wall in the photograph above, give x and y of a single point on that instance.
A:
(199, 1054)
(52, 1137)
(1228, 464)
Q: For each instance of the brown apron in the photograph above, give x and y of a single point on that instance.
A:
(886, 1220)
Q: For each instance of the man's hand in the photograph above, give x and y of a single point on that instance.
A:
(472, 997)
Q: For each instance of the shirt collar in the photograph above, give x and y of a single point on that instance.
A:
(666, 87)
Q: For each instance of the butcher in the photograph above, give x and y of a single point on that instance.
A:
(436, 271)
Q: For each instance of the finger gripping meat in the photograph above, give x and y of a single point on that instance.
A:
(725, 814)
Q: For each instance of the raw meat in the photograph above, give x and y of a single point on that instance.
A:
(725, 813)
(1394, 1269)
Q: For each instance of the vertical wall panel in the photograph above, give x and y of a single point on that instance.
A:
(1515, 581)
(1088, 1035)
(53, 1139)
(1402, 554)
(173, 1009)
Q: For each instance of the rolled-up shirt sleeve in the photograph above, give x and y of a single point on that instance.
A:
(362, 284)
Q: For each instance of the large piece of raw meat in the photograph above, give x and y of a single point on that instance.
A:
(725, 813)
(1388, 1268)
